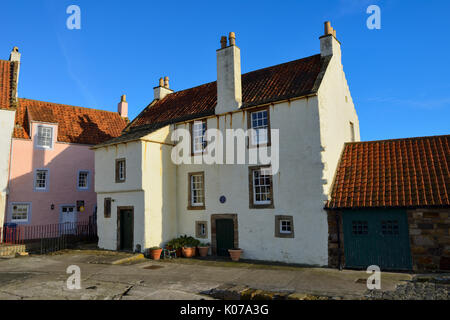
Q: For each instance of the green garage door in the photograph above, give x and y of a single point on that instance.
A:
(377, 237)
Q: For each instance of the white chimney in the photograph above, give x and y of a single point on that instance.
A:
(15, 57)
(162, 90)
(329, 44)
(122, 107)
(229, 88)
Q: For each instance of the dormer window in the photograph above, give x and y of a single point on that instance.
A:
(45, 137)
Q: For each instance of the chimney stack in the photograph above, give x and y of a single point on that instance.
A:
(329, 45)
(229, 88)
(122, 107)
(163, 89)
(15, 57)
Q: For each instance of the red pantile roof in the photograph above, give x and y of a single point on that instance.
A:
(75, 124)
(7, 84)
(412, 172)
(288, 80)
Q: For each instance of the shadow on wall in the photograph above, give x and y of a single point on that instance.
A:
(63, 169)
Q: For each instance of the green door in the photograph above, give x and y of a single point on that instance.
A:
(224, 236)
(126, 230)
(377, 237)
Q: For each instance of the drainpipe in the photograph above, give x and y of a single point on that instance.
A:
(339, 241)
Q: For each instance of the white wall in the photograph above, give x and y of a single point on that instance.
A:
(6, 130)
(297, 189)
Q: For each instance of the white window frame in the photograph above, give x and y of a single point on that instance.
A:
(121, 170)
(46, 181)
(259, 129)
(86, 179)
(27, 205)
(198, 136)
(39, 137)
(201, 191)
(281, 226)
(268, 171)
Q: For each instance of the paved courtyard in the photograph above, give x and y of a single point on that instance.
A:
(45, 277)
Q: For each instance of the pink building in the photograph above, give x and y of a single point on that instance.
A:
(51, 174)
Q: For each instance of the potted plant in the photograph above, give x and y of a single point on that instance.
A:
(203, 249)
(155, 253)
(174, 244)
(235, 253)
(189, 246)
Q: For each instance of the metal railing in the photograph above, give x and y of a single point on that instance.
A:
(50, 237)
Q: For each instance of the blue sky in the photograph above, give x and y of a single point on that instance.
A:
(399, 76)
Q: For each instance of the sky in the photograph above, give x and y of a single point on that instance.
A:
(399, 75)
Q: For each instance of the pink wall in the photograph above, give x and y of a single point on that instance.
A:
(63, 163)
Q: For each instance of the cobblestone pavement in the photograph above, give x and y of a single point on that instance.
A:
(420, 288)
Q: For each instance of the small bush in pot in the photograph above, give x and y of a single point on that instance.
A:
(155, 253)
(203, 249)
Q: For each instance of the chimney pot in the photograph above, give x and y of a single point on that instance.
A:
(232, 39)
(166, 82)
(223, 42)
(328, 28)
(161, 82)
(122, 107)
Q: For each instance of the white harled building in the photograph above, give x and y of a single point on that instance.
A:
(301, 109)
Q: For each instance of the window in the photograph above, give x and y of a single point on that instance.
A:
(20, 212)
(41, 180)
(198, 133)
(261, 188)
(67, 209)
(360, 228)
(259, 121)
(107, 208)
(196, 190)
(389, 227)
(284, 227)
(201, 229)
(352, 132)
(121, 170)
(44, 136)
(83, 182)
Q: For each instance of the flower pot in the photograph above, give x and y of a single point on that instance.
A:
(188, 252)
(155, 254)
(203, 251)
(235, 254)
(179, 252)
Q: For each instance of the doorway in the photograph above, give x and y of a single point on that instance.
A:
(68, 219)
(224, 233)
(125, 228)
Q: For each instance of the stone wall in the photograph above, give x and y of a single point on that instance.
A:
(429, 239)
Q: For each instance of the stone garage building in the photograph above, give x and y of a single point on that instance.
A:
(390, 205)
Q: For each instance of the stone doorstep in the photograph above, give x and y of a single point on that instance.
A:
(8, 250)
(240, 292)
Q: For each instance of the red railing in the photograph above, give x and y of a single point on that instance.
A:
(21, 234)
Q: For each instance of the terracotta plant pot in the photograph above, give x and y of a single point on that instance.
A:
(203, 251)
(155, 254)
(235, 254)
(188, 252)
(179, 252)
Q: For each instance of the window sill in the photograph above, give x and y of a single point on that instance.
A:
(196, 207)
(262, 206)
